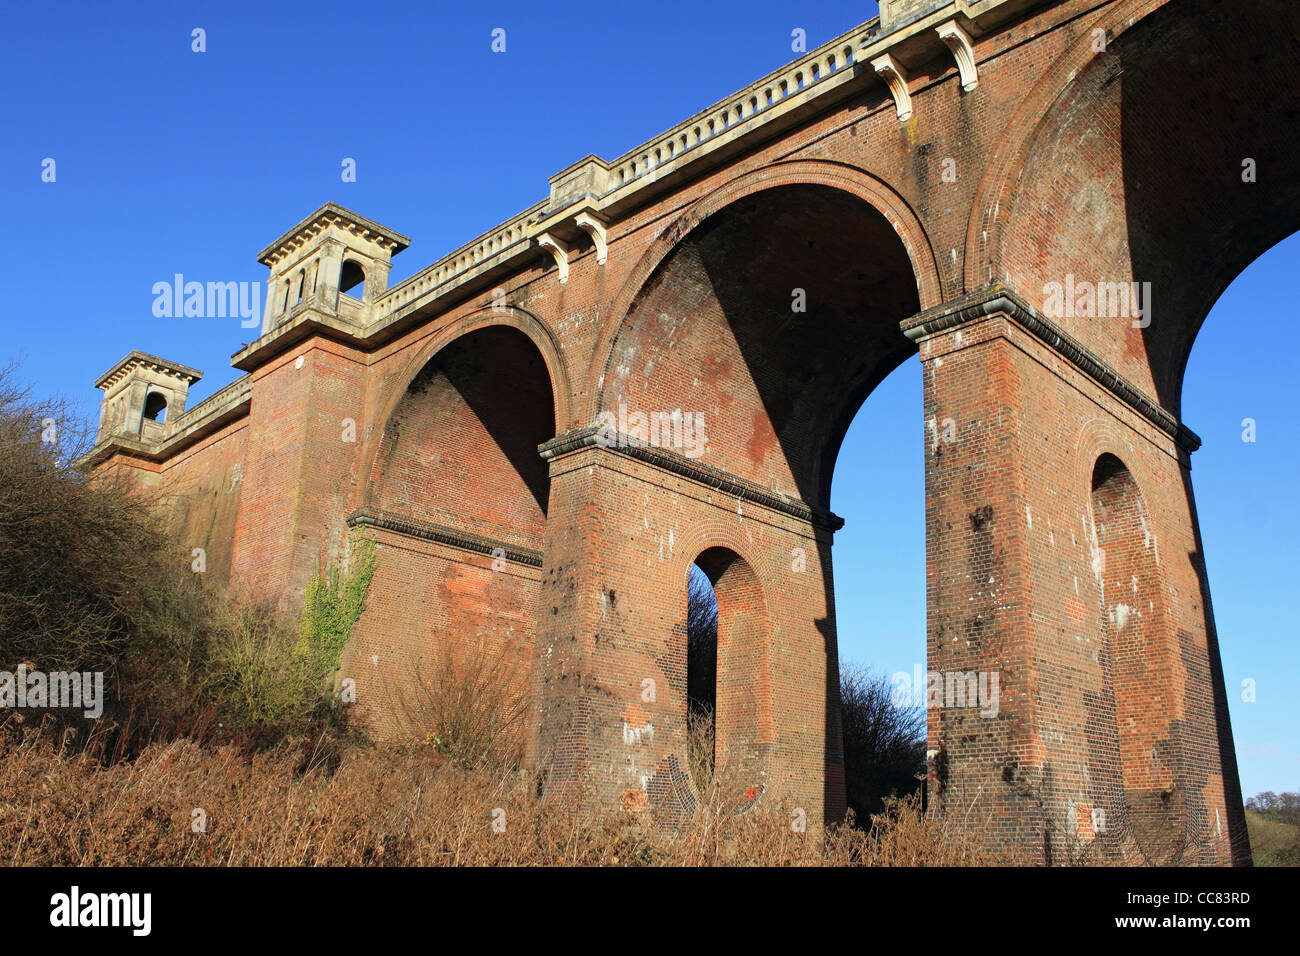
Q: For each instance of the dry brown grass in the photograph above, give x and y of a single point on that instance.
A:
(700, 743)
(275, 808)
(205, 691)
(372, 806)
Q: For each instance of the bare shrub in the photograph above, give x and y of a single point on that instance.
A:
(75, 554)
(91, 580)
(701, 731)
(905, 835)
(467, 705)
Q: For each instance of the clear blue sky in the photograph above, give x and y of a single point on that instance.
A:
(173, 161)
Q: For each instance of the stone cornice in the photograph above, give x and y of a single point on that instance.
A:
(324, 217)
(116, 445)
(428, 531)
(678, 464)
(305, 324)
(996, 299)
(137, 359)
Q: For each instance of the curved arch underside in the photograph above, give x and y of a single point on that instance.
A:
(773, 320)
(460, 448)
(1143, 155)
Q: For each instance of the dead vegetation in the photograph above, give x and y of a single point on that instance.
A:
(185, 804)
(221, 743)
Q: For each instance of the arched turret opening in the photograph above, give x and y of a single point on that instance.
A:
(155, 407)
(352, 279)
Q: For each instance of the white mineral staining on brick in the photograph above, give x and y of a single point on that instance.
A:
(1120, 615)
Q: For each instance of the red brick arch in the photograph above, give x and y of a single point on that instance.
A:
(745, 701)
(536, 330)
(984, 233)
(1099, 436)
(849, 179)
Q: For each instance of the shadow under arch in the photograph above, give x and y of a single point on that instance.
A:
(988, 222)
(1183, 95)
(1206, 88)
(460, 448)
(536, 332)
(772, 319)
(850, 180)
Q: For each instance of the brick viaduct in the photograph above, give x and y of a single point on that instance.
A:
(923, 179)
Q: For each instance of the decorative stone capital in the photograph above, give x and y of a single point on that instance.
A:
(958, 41)
(332, 220)
(897, 13)
(139, 393)
(586, 179)
(894, 75)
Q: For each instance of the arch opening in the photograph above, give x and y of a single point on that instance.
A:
(880, 595)
(772, 320)
(726, 702)
(155, 407)
(352, 279)
(460, 449)
(701, 675)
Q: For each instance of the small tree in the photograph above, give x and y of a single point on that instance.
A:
(884, 743)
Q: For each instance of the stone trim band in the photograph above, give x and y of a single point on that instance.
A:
(677, 464)
(997, 298)
(427, 531)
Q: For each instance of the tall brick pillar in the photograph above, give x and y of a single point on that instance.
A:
(300, 468)
(307, 419)
(568, 611)
(625, 525)
(1062, 559)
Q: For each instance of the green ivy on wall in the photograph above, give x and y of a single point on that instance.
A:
(331, 605)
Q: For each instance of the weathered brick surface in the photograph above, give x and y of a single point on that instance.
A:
(1093, 714)
(461, 447)
(203, 485)
(1109, 165)
(776, 636)
(426, 600)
